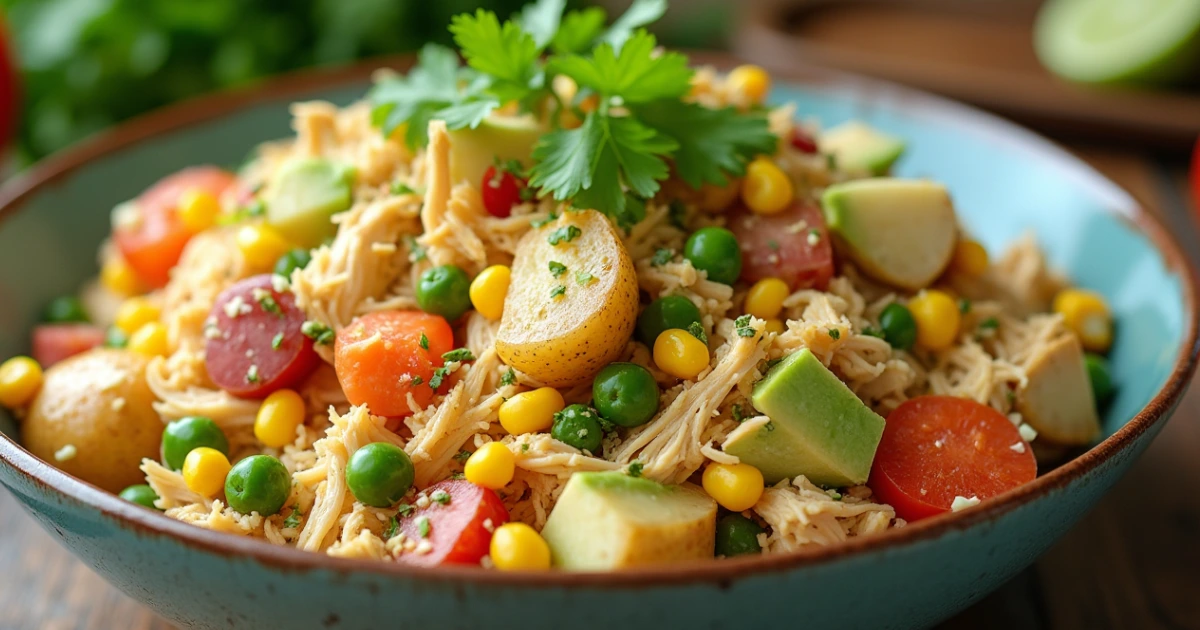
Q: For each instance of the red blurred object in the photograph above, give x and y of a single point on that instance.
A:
(802, 142)
(8, 89)
(54, 342)
(501, 191)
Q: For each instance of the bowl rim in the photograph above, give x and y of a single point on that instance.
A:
(143, 522)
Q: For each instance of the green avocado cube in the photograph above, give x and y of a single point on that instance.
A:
(497, 138)
(818, 428)
(856, 146)
(304, 197)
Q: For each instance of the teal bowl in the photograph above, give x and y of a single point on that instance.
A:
(1006, 181)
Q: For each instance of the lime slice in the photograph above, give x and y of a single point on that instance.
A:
(1120, 41)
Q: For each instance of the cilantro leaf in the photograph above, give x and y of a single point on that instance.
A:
(541, 20)
(578, 30)
(505, 52)
(459, 354)
(640, 13)
(509, 378)
(712, 143)
(392, 528)
(696, 329)
(637, 74)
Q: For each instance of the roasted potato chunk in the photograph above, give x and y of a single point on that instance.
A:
(1057, 400)
(573, 300)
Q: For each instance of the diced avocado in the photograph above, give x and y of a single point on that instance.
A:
(305, 195)
(818, 427)
(1057, 397)
(609, 520)
(898, 231)
(472, 151)
(859, 147)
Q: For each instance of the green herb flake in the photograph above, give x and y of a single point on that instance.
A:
(460, 354)
(738, 415)
(277, 341)
(773, 244)
(509, 378)
(404, 510)
(990, 323)
(677, 214)
(439, 375)
(964, 306)
(538, 223)
(872, 331)
(557, 269)
(557, 291)
(423, 526)
(424, 342)
(742, 327)
(835, 333)
(392, 529)
(524, 447)
(293, 519)
(416, 380)
(462, 456)
(635, 469)
(696, 329)
(267, 302)
(661, 257)
(564, 234)
(400, 188)
(457, 475)
(321, 334)
(441, 497)
(416, 251)
(252, 374)
(583, 278)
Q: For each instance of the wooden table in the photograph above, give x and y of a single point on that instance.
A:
(1134, 562)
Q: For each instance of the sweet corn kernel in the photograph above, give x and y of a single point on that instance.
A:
(736, 487)
(1087, 314)
(517, 547)
(134, 313)
(490, 466)
(261, 245)
(489, 289)
(277, 419)
(198, 209)
(680, 354)
(937, 317)
(970, 258)
(775, 325)
(149, 340)
(204, 471)
(118, 277)
(20, 379)
(530, 412)
(765, 298)
(751, 82)
(766, 189)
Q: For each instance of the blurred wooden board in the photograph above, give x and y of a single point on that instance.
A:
(977, 51)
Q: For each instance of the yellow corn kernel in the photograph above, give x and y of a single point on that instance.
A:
(736, 487)
(970, 258)
(198, 209)
(766, 189)
(261, 245)
(680, 354)
(751, 82)
(517, 547)
(149, 340)
(118, 277)
(489, 289)
(134, 313)
(530, 412)
(20, 380)
(491, 466)
(765, 299)
(937, 317)
(204, 471)
(1087, 314)
(776, 326)
(277, 419)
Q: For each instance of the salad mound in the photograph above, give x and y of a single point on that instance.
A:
(570, 304)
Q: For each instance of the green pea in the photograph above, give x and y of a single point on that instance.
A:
(295, 259)
(1101, 377)
(115, 338)
(141, 494)
(737, 535)
(379, 474)
(67, 309)
(579, 426)
(259, 483)
(899, 327)
(625, 394)
(715, 250)
(444, 291)
(673, 311)
(186, 434)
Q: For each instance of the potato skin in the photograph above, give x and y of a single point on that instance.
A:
(565, 341)
(78, 405)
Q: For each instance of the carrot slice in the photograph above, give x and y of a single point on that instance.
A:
(380, 359)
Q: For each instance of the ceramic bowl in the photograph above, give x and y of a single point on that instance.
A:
(1006, 181)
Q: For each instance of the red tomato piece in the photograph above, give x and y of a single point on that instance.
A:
(501, 190)
(936, 448)
(379, 359)
(152, 244)
(460, 531)
(803, 142)
(792, 245)
(9, 94)
(54, 342)
(255, 345)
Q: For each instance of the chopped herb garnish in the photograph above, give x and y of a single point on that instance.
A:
(509, 378)
(462, 456)
(460, 354)
(416, 251)
(835, 495)
(872, 331)
(583, 278)
(423, 526)
(252, 374)
(392, 528)
(814, 237)
(696, 329)
(416, 380)
(458, 474)
(277, 341)
(964, 306)
(773, 244)
(738, 416)
(441, 497)
(769, 426)
(741, 326)
(321, 334)
(635, 469)
(677, 214)
(400, 188)
(835, 333)
(524, 447)
(293, 519)
(662, 256)
(557, 269)
(404, 509)
(990, 323)
(537, 223)
(564, 234)
(557, 291)
(424, 342)
(267, 302)
(439, 375)
(831, 161)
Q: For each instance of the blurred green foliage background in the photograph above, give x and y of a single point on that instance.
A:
(86, 64)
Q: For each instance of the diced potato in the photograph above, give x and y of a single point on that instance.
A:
(561, 329)
(1057, 400)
